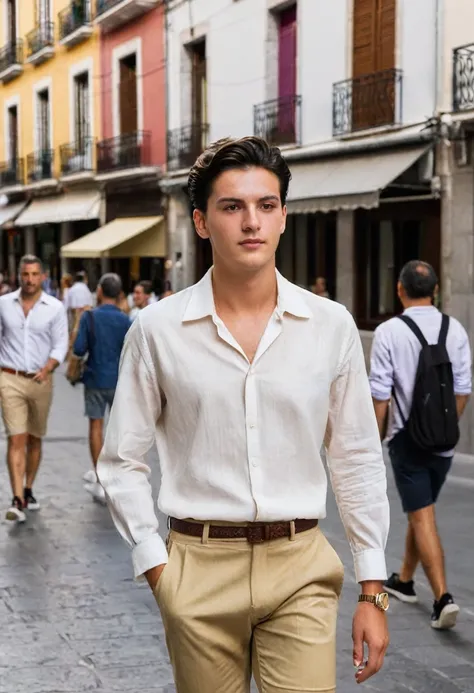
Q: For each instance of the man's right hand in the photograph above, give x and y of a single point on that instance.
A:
(154, 574)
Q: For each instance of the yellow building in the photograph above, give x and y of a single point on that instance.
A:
(49, 120)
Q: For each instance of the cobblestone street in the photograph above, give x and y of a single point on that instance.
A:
(73, 620)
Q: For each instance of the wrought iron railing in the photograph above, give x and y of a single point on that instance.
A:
(368, 101)
(40, 37)
(39, 165)
(125, 151)
(77, 157)
(278, 121)
(103, 6)
(463, 78)
(11, 54)
(185, 144)
(77, 15)
(12, 173)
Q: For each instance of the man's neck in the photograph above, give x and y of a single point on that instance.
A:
(30, 299)
(250, 293)
(418, 303)
(109, 302)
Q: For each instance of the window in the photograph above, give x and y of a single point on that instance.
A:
(199, 83)
(81, 109)
(128, 95)
(385, 239)
(12, 125)
(11, 21)
(43, 12)
(43, 122)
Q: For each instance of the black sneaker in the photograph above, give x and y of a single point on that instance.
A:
(445, 613)
(15, 511)
(29, 501)
(404, 591)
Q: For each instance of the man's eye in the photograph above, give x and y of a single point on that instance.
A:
(268, 205)
(231, 208)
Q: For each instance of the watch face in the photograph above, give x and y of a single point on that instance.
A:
(383, 601)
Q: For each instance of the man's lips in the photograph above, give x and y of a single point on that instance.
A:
(252, 241)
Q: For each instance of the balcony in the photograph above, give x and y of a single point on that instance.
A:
(40, 44)
(77, 160)
(463, 78)
(111, 14)
(125, 156)
(39, 168)
(278, 121)
(11, 61)
(369, 101)
(75, 23)
(185, 144)
(12, 176)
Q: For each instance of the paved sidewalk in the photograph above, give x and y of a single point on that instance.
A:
(73, 620)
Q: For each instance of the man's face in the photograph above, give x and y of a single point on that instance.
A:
(244, 219)
(320, 285)
(31, 279)
(139, 297)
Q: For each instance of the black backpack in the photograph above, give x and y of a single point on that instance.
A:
(433, 421)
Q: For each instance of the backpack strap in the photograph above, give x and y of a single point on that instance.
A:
(443, 333)
(415, 329)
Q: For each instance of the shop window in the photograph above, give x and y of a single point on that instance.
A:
(382, 247)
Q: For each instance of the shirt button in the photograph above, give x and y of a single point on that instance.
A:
(252, 425)
(254, 462)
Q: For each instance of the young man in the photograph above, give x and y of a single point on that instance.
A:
(141, 297)
(33, 342)
(101, 336)
(419, 474)
(240, 379)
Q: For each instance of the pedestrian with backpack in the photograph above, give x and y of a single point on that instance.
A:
(421, 364)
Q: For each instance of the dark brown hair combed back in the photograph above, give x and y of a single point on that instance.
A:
(228, 154)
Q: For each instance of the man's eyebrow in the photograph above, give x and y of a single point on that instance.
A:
(265, 198)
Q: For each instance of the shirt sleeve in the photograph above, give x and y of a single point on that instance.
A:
(59, 336)
(356, 462)
(462, 365)
(121, 468)
(381, 368)
(81, 344)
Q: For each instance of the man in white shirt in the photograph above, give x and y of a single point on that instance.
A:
(79, 296)
(142, 294)
(33, 342)
(240, 380)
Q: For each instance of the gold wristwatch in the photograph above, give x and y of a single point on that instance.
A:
(380, 600)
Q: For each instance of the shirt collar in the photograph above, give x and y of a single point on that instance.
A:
(44, 298)
(201, 302)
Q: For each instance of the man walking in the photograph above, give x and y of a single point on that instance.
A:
(240, 379)
(397, 364)
(33, 342)
(141, 298)
(101, 335)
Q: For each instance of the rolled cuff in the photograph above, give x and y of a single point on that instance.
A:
(379, 393)
(58, 355)
(370, 565)
(148, 554)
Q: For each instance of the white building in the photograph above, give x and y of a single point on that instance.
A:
(353, 91)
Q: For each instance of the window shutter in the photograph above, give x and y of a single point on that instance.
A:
(386, 23)
(364, 37)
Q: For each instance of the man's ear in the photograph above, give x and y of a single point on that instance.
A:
(200, 225)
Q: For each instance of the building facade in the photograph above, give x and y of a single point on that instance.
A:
(49, 118)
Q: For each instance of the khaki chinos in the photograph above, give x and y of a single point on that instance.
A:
(230, 607)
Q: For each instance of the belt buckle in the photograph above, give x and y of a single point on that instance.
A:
(256, 533)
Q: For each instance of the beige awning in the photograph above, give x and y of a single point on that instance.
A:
(72, 206)
(9, 212)
(129, 237)
(347, 182)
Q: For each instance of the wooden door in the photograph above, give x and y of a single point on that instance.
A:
(128, 96)
(11, 12)
(373, 94)
(198, 99)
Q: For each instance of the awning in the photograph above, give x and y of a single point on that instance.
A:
(129, 237)
(72, 206)
(9, 212)
(347, 182)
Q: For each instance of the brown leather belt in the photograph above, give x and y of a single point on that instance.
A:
(23, 374)
(255, 532)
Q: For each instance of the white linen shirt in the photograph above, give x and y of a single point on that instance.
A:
(26, 344)
(240, 441)
(79, 296)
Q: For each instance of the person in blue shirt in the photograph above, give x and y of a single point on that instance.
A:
(101, 336)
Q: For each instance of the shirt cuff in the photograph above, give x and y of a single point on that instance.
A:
(148, 554)
(58, 355)
(380, 394)
(370, 565)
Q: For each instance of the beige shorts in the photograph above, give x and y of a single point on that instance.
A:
(25, 404)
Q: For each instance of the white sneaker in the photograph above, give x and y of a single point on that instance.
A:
(90, 477)
(15, 512)
(96, 491)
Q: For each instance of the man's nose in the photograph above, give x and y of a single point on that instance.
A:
(251, 221)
